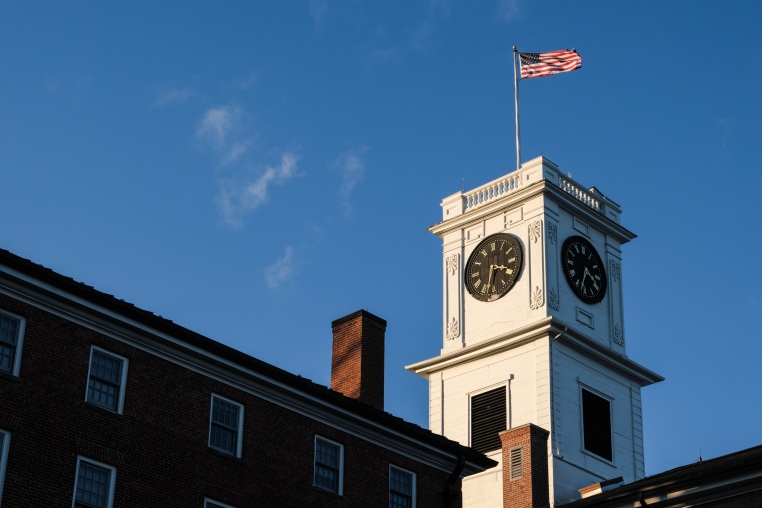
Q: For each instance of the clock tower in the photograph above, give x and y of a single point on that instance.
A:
(533, 339)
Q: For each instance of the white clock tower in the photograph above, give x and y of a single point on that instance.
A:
(533, 369)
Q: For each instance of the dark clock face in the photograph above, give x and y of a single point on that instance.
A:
(493, 267)
(584, 269)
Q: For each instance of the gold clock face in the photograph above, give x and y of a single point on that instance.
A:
(493, 267)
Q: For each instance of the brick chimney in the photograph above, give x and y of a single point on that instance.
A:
(357, 365)
(525, 467)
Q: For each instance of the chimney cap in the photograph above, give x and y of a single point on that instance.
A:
(360, 313)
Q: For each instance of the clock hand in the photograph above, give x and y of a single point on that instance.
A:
(491, 275)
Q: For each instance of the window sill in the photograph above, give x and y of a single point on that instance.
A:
(7, 376)
(220, 453)
(103, 410)
(328, 493)
(598, 457)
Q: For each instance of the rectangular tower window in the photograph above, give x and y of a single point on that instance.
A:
(226, 423)
(11, 337)
(401, 488)
(95, 485)
(488, 419)
(596, 421)
(106, 380)
(329, 458)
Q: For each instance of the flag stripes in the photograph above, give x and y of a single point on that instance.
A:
(537, 65)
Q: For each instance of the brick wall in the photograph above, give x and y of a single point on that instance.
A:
(159, 444)
(357, 365)
(531, 490)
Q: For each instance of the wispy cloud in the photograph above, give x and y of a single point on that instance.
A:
(318, 10)
(238, 196)
(351, 166)
(168, 96)
(280, 271)
(508, 10)
(217, 124)
(423, 37)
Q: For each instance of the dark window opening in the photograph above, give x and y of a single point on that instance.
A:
(488, 419)
(596, 417)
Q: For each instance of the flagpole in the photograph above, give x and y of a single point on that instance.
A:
(516, 105)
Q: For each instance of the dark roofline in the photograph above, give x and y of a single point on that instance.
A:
(681, 478)
(298, 383)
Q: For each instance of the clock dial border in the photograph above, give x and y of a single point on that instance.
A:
(590, 262)
(490, 256)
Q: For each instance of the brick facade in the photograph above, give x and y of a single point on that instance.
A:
(159, 444)
(357, 365)
(530, 489)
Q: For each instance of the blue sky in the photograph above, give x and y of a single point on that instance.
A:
(255, 170)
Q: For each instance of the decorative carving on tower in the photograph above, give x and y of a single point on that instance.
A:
(452, 264)
(615, 270)
(453, 329)
(536, 300)
(535, 231)
(552, 232)
(618, 335)
(554, 302)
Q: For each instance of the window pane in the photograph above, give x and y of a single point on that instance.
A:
(400, 488)
(92, 486)
(223, 431)
(327, 465)
(488, 419)
(9, 329)
(105, 380)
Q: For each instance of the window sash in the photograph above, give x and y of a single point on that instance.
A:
(401, 488)
(94, 486)
(5, 443)
(11, 338)
(328, 462)
(224, 426)
(105, 380)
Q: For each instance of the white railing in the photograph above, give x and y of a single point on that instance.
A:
(579, 193)
(493, 190)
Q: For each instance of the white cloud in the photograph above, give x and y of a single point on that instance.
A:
(217, 124)
(235, 151)
(351, 166)
(167, 96)
(508, 10)
(280, 271)
(238, 197)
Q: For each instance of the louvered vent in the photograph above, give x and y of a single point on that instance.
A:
(487, 419)
(596, 415)
(517, 464)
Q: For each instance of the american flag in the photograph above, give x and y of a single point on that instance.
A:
(537, 65)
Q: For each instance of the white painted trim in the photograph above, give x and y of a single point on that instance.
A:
(239, 430)
(112, 479)
(392, 466)
(217, 503)
(5, 444)
(340, 486)
(19, 340)
(122, 380)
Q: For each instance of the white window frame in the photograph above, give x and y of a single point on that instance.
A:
(122, 381)
(340, 482)
(111, 484)
(239, 437)
(216, 503)
(5, 444)
(392, 466)
(19, 341)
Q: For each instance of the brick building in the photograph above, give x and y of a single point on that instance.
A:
(103, 404)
